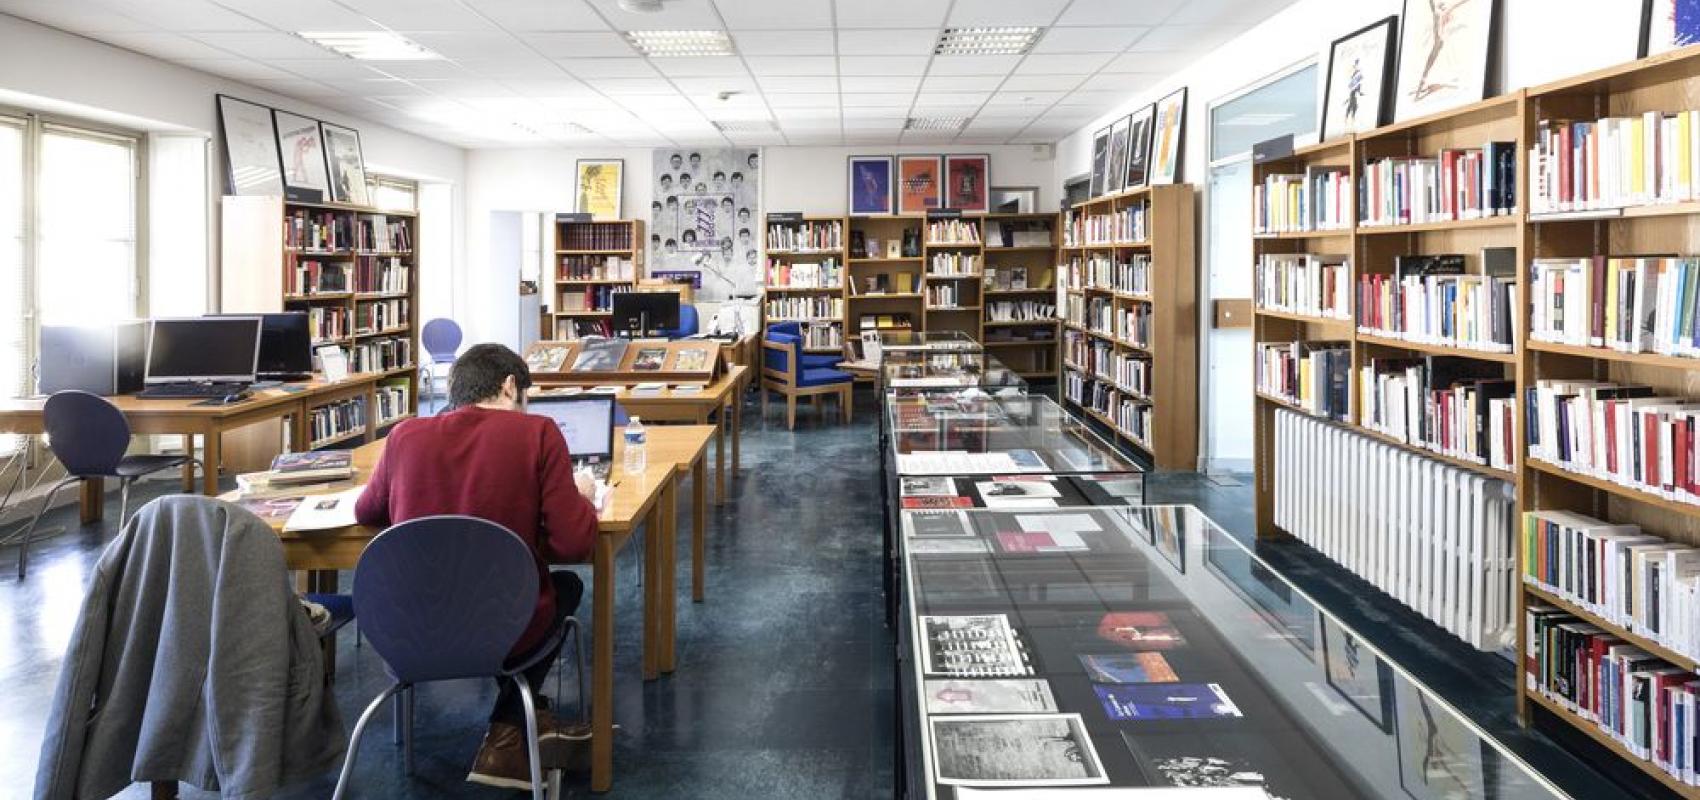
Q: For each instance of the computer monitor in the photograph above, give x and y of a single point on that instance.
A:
(286, 345)
(586, 422)
(203, 349)
(644, 313)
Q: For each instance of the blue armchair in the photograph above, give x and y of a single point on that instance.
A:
(809, 360)
(687, 323)
(784, 371)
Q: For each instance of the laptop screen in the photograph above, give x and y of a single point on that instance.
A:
(586, 422)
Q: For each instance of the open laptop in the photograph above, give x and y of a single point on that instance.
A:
(587, 422)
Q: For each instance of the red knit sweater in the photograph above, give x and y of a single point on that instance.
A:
(508, 467)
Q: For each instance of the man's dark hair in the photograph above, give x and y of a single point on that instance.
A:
(478, 374)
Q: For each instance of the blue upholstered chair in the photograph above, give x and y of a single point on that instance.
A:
(687, 323)
(445, 598)
(784, 371)
(440, 338)
(88, 434)
(810, 360)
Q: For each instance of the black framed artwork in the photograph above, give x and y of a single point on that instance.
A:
(1360, 68)
(1100, 160)
(1138, 147)
(250, 148)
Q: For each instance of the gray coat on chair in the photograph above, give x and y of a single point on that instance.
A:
(191, 661)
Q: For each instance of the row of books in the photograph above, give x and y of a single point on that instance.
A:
(1615, 162)
(884, 283)
(1318, 200)
(806, 236)
(1459, 407)
(391, 397)
(1131, 372)
(326, 324)
(1634, 436)
(1090, 393)
(1459, 184)
(1629, 304)
(1311, 375)
(380, 274)
(822, 337)
(1130, 225)
(1077, 349)
(805, 307)
(596, 236)
(596, 268)
(337, 419)
(1437, 538)
(1004, 279)
(824, 274)
(953, 231)
(1311, 285)
(1133, 324)
(379, 315)
(378, 355)
(953, 264)
(1474, 312)
(951, 294)
(590, 298)
(1133, 417)
(318, 230)
(1645, 584)
(310, 277)
(379, 234)
(1644, 703)
(1020, 311)
(899, 321)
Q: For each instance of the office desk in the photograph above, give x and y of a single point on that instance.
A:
(685, 446)
(705, 406)
(183, 417)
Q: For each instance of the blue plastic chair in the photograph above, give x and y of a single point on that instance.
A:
(88, 434)
(440, 339)
(445, 598)
(687, 323)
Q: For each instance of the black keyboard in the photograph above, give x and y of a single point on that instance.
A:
(159, 390)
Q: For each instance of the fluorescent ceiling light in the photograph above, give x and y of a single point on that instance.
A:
(985, 41)
(371, 45)
(935, 123)
(662, 44)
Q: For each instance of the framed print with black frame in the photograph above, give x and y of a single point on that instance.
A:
(1169, 136)
(600, 183)
(1100, 160)
(1115, 165)
(1446, 53)
(967, 182)
(249, 138)
(301, 147)
(1357, 674)
(1360, 66)
(1139, 148)
(347, 164)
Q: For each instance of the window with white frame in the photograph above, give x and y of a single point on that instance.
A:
(393, 194)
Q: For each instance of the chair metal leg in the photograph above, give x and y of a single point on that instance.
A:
(533, 754)
(24, 546)
(124, 501)
(577, 632)
(354, 740)
(405, 702)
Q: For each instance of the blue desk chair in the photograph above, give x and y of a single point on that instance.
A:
(810, 360)
(783, 371)
(687, 323)
(88, 434)
(440, 339)
(444, 598)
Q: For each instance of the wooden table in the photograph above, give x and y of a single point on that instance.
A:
(705, 406)
(183, 417)
(648, 500)
(685, 446)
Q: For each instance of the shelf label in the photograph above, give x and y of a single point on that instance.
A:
(944, 213)
(576, 216)
(784, 217)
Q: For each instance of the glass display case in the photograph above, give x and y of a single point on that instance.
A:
(906, 370)
(927, 341)
(1052, 649)
(971, 432)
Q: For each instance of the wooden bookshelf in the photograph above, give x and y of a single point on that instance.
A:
(593, 260)
(886, 266)
(824, 333)
(1171, 302)
(266, 245)
(1021, 250)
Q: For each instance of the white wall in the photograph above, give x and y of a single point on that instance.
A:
(43, 68)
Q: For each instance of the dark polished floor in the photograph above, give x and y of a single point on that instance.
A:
(783, 686)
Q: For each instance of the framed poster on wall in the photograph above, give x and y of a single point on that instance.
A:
(967, 181)
(302, 147)
(599, 182)
(869, 185)
(918, 181)
(250, 148)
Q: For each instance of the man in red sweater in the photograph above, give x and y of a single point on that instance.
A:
(487, 458)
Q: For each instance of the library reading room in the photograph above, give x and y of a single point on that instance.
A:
(1051, 399)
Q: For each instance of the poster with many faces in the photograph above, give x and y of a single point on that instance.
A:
(705, 219)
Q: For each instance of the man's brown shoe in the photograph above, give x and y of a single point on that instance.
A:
(502, 759)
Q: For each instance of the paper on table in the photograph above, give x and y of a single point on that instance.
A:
(953, 462)
(604, 494)
(324, 512)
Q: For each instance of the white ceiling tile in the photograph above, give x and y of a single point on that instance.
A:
(540, 15)
(463, 88)
(792, 65)
(1109, 39)
(1007, 113)
(1090, 13)
(700, 66)
(814, 138)
(1184, 38)
(1208, 12)
(468, 44)
(783, 43)
(1062, 65)
(828, 124)
(380, 88)
(1161, 63)
(708, 87)
(802, 101)
(960, 83)
(517, 65)
(898, 42)
(1123, 82)
(1024, 98)
(302, 15)
(556, 86)
(973, 65)
(423, 69)
(633, 85)
(890, 102)
(266, 46)
(757, 14)
(164, 45)
(882, 65)
(648, 103)
(1044, 82)
(420, 15)
(85, 18)
(592, 68)
(888, 83)
(866, 123)
(239, 68)
(797, 114)
(297, 87)
(327, 69)
(185, 15)
(579, 44)
(809, 83)
(952, 98)
(673, 16)
(1005, 12)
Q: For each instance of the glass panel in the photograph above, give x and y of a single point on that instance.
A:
(1144, 646)
(968, 432)
(1285, 105)
(86, 212)
(392, 193)
(14, 325)
(1229, 434)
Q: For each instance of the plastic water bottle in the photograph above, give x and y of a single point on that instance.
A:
(636, 460)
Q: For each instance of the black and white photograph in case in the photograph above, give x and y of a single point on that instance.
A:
(1007, 696)
(1018, 493)
(1440, 758)
(1015, 750)
(706, 218)
(924, 486)
(1357, 674)
(973, 646)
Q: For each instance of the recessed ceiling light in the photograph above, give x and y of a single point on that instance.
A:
(985, 41)
(935, 123)
(663, 44)
(371, 45)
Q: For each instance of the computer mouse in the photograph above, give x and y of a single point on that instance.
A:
(235, 398)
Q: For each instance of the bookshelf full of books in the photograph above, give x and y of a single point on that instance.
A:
(593, 262)
(805, 277)
(885, 274)
(954, 268)
(1128, 279)
(1019, 288)
(352, 270)
(1525, 311)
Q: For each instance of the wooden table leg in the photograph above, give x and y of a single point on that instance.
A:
(652, 593)
(668, 588)
(720, 465)
(602, 667)
(189, 466)
(699, 516)
(737, 430)
(163, 790)
(211, 448)
(91, 504)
